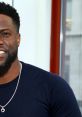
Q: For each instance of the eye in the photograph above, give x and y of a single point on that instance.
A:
(5, 34)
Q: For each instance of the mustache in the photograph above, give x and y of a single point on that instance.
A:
(3, 47)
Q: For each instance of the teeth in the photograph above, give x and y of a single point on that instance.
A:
(2, 52)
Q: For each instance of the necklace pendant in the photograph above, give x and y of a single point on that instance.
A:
(2, 109)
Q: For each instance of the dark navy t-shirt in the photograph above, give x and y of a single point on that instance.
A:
(39, 94)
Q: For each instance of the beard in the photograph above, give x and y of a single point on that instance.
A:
(10, 59)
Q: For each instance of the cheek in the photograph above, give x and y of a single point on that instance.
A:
(13, 46)
(12, 43)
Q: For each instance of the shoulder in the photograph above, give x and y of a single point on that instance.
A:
(36, 70)
(56, 84)
(51, 89)
(37, 73)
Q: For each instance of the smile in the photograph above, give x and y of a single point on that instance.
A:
(2, 52)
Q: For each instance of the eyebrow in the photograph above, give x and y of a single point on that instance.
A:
(2, 30)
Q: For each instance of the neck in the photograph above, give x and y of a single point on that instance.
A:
(12, 73)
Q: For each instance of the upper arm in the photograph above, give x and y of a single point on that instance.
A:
(63, 102)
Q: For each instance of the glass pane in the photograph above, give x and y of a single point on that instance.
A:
(71, 46)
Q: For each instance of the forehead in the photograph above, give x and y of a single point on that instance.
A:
(5, 22)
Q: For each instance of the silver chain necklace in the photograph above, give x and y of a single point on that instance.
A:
(3, 106)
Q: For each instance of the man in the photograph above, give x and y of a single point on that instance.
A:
(25, 90)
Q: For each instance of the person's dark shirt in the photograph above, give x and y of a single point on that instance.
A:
(39, 94)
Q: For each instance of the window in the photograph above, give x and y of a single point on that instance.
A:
(71, 46)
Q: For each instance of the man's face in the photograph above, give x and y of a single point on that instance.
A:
(9, 42)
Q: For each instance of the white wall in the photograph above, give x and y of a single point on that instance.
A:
(35, 31)
(7, 1)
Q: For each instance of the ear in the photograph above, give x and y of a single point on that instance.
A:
(18, 39)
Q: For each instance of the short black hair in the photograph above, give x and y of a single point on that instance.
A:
(10, 11)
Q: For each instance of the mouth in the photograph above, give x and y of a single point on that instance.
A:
(3, 55)
(2, 52)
